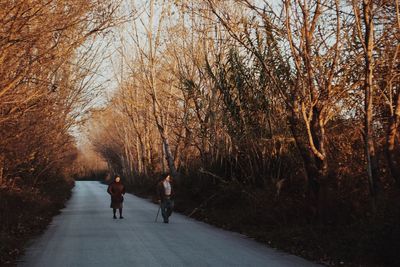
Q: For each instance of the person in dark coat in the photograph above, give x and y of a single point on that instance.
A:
(165, 193)
(116, 189)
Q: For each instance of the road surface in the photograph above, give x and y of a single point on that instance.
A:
(84, 234)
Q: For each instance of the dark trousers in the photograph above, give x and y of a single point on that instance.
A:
(166, 208)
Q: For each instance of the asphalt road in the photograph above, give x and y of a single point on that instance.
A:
(84, 234)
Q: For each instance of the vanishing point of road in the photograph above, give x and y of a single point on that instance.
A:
(84, 234)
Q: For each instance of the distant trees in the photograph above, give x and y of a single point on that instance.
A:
(44, 83)
(261, 94)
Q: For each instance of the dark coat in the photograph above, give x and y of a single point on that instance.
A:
(161, 191)
(116, 190)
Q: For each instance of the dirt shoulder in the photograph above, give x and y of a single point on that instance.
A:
(342, 239)
(25, 212)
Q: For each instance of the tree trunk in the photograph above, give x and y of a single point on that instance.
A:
(370, 153)
(310, 140)
(157, 113)
(1, 174)
(2, 164)
(318, 136)
(170, 159)
(391, 141)
(305, 153)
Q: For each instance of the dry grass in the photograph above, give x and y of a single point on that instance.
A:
(26, 212)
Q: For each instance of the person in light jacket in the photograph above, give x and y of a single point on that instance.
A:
(116, 189)
(165, 193)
